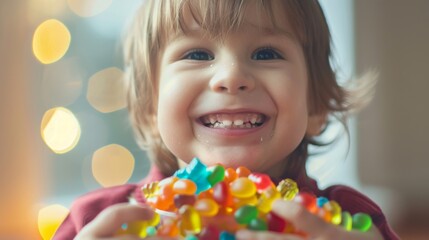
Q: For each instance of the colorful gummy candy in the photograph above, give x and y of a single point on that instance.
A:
(200, 202)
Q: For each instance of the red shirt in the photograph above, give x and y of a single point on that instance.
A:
(87, 207)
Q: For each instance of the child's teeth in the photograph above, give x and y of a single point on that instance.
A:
(259, 118)
(227, 123)
(253, 119)
(238, 122)
(212, 119)
(233, 121)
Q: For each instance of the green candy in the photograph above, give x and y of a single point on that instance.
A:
(362, 222)
(258, 224)
(346, 221)
(246, 214)
(216, 174)
(151, 231)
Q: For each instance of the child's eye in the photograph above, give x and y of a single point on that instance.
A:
(198, 55)
(266, 54)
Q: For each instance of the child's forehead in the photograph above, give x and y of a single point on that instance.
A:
(268, 20)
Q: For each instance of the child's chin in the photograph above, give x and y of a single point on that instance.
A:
(232, 161)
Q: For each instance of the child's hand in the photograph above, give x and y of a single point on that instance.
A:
(314, 226)
(110, 220)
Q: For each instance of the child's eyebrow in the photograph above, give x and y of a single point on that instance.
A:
(265, 31)
(274, 31)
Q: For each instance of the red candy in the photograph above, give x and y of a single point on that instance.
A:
(221, 194)
(181, 199)
(209, 233)
(307, 200)
(275, 222)
(262, 181)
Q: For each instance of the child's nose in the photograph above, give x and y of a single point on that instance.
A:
(232, 78)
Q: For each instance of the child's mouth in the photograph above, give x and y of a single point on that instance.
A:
(233, 121)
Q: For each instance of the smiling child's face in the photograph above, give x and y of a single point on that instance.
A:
(241, 101)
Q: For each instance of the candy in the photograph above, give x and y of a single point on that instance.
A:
(216, 174)
(185, 186)
(242, 171)
(321, 201)
(346, 220)
(207, 207)
(288, 189)
(267, 198)
(307, 200)
(221, 194)
(275, 222)
(209, 233)
(181, 199)
(151, 231)
(257, 224)
(335, 211)
(190, 220)
(213, 203)
(230, 175)
(261, 181)
(224, 235)
(361, 222)
(245, 214)
(242, 188)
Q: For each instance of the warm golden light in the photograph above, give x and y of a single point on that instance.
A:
(49, 220)
(51, 41)
(60, 130)
(106, 90)
(112, 165)
(88, 8)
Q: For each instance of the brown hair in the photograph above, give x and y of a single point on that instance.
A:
(156, 20)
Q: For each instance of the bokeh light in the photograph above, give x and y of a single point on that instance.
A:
(37, 10)
(50, 218)
(60, 129)
(51, 41)
(112, 165)
(62, 82)
(88, 8)
(106, 91)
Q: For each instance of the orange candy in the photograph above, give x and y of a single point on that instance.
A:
(230, 175)
(184, 186)
(243, 171)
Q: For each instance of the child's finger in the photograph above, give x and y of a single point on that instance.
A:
(111, 219)
(304, 220)
(158, 238)
(255, 235)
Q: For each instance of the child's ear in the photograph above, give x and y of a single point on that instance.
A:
(315, 124)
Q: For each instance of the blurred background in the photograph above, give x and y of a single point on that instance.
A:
(65, 131)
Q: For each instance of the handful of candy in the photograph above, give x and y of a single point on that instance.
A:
(200, 202)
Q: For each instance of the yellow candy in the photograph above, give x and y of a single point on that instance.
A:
(335, 209)
(206, 207)
(150, 190)
(267, 198)
(288, 189)
(238, 202)
(190, 220)
(242, 188)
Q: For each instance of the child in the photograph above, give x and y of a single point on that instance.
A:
(241, 83)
